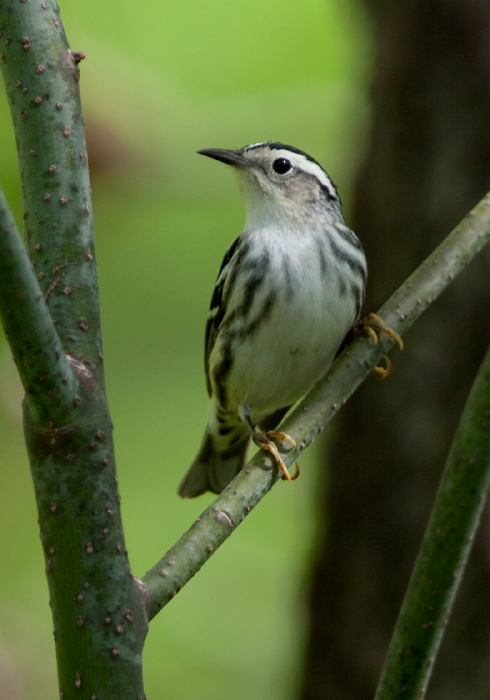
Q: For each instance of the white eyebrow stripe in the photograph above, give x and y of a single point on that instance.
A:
(307, 166)
(301, 162)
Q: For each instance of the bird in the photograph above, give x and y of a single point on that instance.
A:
(289, 290)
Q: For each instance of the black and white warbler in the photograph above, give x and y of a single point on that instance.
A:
(289, 289)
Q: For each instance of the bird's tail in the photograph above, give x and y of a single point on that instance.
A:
(212, 470)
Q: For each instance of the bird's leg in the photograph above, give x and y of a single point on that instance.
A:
(371, 325)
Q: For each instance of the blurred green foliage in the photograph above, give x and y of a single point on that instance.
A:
(160, 81)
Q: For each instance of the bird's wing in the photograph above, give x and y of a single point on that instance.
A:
(217, 308)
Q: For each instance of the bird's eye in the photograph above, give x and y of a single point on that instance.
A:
(281, 165)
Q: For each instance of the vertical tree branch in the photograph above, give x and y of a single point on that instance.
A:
(50, 311)
(41, 76)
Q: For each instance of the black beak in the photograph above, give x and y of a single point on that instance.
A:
(229, 157)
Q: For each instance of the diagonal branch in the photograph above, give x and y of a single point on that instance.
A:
(444, 553)
(44, 369)
(304, 423)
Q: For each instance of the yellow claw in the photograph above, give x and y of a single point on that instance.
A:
(371, 325)
(264, 441)
(293, 477)
(369, 330)
(383, 372)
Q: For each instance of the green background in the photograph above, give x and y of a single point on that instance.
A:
(160, 81)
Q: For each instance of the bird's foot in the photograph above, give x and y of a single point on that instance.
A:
(371, 325)
(265, 442)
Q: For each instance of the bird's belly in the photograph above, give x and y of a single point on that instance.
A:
(282, 359)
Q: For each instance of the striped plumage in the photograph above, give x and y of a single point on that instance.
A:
(289, 289)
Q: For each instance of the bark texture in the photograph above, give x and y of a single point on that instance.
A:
(427, 163)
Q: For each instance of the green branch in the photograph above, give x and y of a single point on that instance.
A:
(41, 76)
(44, 369)
(445, 549)
(304, 423)
(50, 309)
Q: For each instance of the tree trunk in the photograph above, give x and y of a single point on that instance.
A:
(428, 162)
